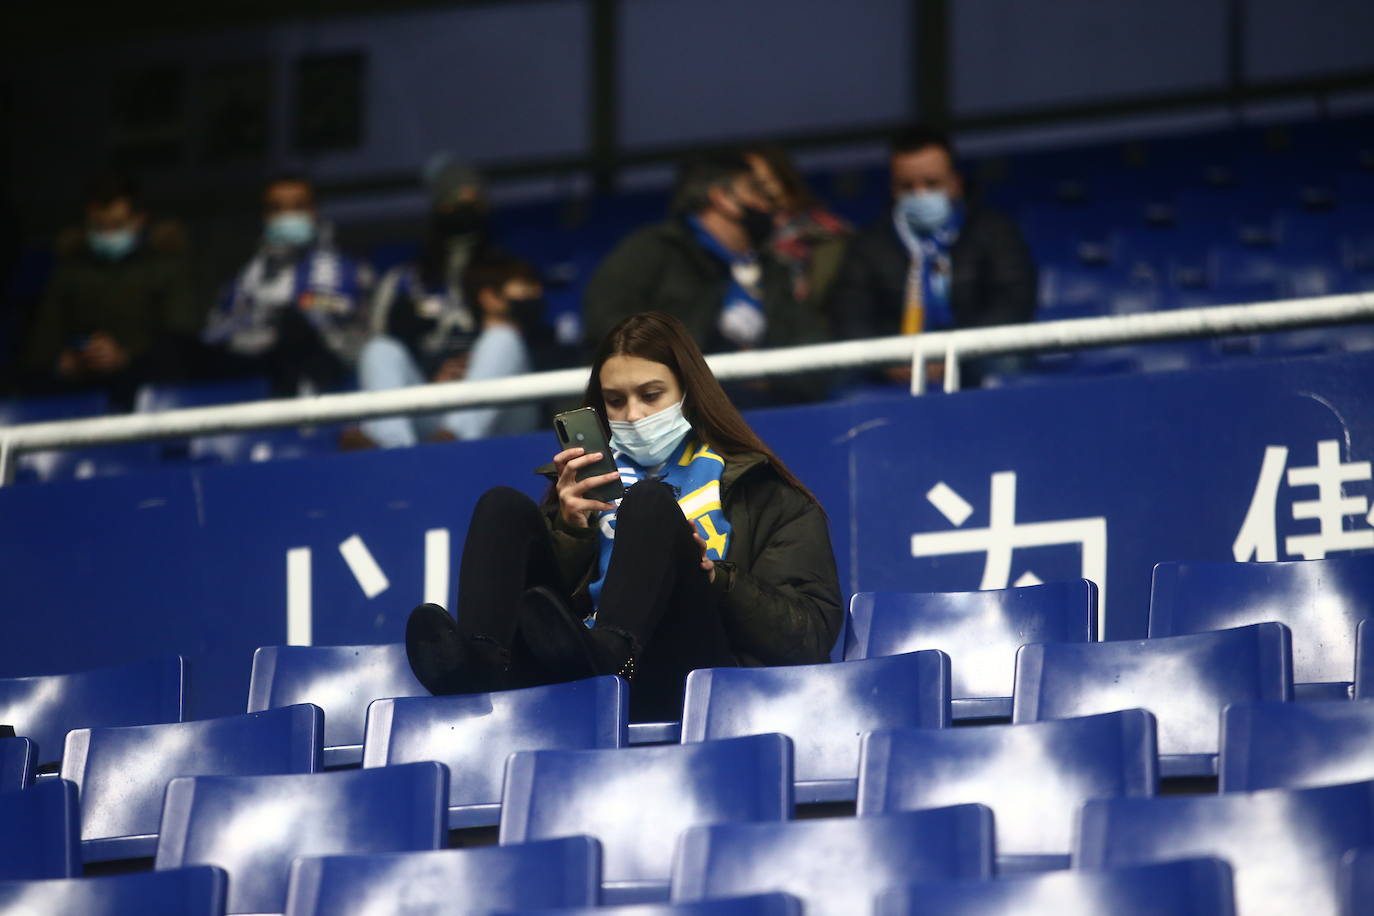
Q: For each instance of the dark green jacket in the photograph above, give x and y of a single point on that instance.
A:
(664, 268)
(780, 594)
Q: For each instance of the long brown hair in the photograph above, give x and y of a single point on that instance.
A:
(661, 338)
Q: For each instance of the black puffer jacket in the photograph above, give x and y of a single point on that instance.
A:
(780, 594)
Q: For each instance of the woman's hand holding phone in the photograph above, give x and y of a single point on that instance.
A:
(573, 504)
(706, 562)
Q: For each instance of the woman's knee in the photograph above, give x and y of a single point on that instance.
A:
(648, 499)
(504, 504)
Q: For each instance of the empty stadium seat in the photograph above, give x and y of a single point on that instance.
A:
(197, 891)
(14, 412)
(39, 833)
(824, 709)
(122, 773)
(1364, 660)
(253, 826)
(980, 631)
(1321, 601)
(1184, 680)
(160, 396)
(46, 707)
(341, 680)
(835, 866)
(1284, 845)
(1357, 882)
(17, 762)
(1289, 745)
(637, 800)
(1188, 887)
(1034, 777)
(753, 905)
(474, 734)
(548, 873)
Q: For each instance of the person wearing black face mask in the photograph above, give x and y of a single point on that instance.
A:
(710, 266)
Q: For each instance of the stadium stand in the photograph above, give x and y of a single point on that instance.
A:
(755, 905)
(195, 891)
(547, 873)
(1033, 776)
(16, 763)
(898, 691)
(1291, 745)
(341, 680)
(637, 801)
(1321, 601)
(253, 826)
(980, 631)
(1188, 887)
(40, 836)
(474, 734)
(121, 774)
(835, 866)
(1184, 680)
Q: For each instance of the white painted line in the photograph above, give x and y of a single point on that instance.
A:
(298, 609)
(951, 505)
(370, 577)
(437, 562)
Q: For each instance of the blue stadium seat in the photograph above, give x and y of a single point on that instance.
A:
(341, 680)
(87, 463)
(835, 866)
(1357, 882)
(1284, 845)
(980, 631)
(548, 873)
(1188, 887)
(61, 407)
(1184, 680)
(897, 691)
(1321, 601)
(157, 397)
(17, 762)
(1290, 745)
(122, 773)
(39, 834)
(46, 707)
(474, 734)
(753, 905)
(253, 826)
(266, 444)
(197, 891)
(1034, 777)
(637, 801)
(1364, 660)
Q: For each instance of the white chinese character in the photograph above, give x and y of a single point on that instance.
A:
(1003, 535)
(1258, 536)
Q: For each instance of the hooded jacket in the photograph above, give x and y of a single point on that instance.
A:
(779, 591)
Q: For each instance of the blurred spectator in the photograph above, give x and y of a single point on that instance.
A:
(509, 296)
(295, 313)
(807, 238)
(709, 265)
(938, 261)
(119, 307)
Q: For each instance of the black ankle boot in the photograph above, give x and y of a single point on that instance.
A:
(565, 647)
(446, 662)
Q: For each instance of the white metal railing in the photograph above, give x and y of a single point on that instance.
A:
(951, 346)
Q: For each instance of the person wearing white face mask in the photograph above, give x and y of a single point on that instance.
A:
(716, 555)
(936, 261)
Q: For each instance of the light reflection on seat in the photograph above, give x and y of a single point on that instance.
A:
(1289, 745)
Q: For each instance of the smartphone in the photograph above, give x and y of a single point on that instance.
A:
(582, 428)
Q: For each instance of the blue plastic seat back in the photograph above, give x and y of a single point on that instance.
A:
(1188, 887)
(253, 826)
(62, 407)
(18, 757)
(154, 398)
(474, 734)
(39, 832)
(1364, 660)
(548, 873)
(46, 707)
(341, 680)
(1357, 882)
(824, 709)
(835, 865)
(1321, 601)
(1034, 776)
(1284, 845)
(637, 800)
(1289, 745)
(753, 905)
(197, 891)
(122, 773)
(1184, 680)
(980, 631)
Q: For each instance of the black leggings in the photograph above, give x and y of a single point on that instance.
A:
(655, 589)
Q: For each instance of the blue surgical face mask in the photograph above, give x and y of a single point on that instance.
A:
(650, 440)
(112, 244)
(925, 211)
(293, 228)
